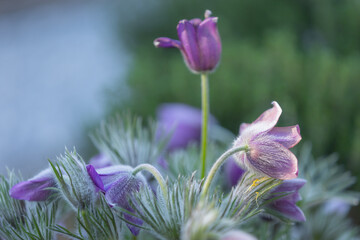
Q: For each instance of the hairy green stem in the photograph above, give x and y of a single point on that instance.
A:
(157, 175)
(205, 115)
(217, 165)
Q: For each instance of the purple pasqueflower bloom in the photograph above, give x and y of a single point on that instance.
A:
(199, 42)
(118, 184)
(182, 121)
(36, 188)
(286, 205)
(233, 172)
(268, 146)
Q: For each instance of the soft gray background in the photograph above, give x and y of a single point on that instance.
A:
(57, 58)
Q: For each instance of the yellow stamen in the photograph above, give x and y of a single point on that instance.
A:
(257, 195)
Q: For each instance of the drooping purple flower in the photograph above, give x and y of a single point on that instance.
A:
(182, 121)
(199, 43)
(286, 205)
(233, 172)
(118, 184)
(268, 146)
(36, 188)
(100, 161)
(237, 235)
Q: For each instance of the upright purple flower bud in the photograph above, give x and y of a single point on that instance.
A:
(36, 188)
(183, 121)
(286, 206)
(199, 43)
(268, 145)
(118, 183)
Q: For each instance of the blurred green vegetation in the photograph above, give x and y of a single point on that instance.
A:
(305, 54)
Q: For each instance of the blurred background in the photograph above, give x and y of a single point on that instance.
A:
(65, 65)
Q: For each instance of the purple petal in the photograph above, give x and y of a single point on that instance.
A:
(137, 221)
(286, 136)
(209, 44)
(272, 159)
(164, 42)
(95, 177)
(291, 185)
(190, 49)
(288, 209)
(120, 190)
(182, 121)
(265, 122)
(233, 172)
(119, 193)
(100, 161)
(36, 188)
(110, 175)
(195, 22)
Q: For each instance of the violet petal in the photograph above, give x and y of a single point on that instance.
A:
(289, 210)
(286, 136)
(272, 159)
(190, 49)
(95, 177)
(36, 188)
(209, 44)
(265, 122)
(164, 42)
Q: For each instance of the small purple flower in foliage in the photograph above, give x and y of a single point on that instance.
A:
(286, 205)
(118, 183)
(199, 43)
(36, 188)
(183, 122)
(268, 146)
(233, 172)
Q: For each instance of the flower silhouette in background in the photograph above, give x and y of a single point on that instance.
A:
(199, 42)
(182, 122)
(268, 146)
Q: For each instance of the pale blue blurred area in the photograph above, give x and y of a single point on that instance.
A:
(56, 60)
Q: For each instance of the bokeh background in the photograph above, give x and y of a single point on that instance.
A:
(65, 65)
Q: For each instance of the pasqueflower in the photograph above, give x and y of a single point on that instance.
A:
(183, 122)
(36, 188)
(286, 206)
(268, 146)
(119, 184)
(199, 43)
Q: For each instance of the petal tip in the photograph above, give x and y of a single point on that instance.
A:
(207, 13)
(156, 43)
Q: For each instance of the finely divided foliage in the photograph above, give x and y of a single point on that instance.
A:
(128, 142)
